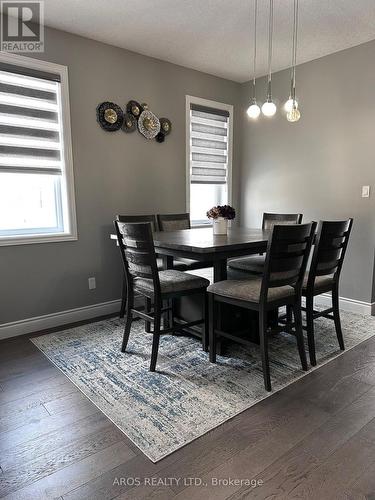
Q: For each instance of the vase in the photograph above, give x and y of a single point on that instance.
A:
(220, 225)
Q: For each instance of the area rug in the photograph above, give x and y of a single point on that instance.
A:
(188, 396)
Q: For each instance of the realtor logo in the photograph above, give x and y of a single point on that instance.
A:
(22, 28)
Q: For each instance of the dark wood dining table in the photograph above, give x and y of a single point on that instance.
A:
(201, 244)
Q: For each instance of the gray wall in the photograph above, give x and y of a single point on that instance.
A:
(114, 173)
(318, 165)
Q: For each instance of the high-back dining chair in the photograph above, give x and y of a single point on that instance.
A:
(152, 219)
(281, 284)
(177, 222)
(173, 222)
(255, 263)
(140, 218)
(143, 277)
(324, 275)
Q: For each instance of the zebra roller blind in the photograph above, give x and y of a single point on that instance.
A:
(30, 123)
(208, 145)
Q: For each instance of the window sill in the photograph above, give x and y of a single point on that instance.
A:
(28, 240)
(196, 226)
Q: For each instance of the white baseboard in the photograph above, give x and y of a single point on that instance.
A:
(38, 323)
(349, 305)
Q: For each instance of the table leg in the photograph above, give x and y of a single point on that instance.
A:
(167, 262)
(220, 270)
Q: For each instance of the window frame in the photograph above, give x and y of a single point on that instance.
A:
(215, 105)
(67, 178)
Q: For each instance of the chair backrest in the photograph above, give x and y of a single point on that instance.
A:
(269, 220)
(138, 253)
(287, 254)
(329, 251)
(173, 222)
(140, 218)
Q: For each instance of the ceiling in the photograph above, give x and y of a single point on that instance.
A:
(215, 36)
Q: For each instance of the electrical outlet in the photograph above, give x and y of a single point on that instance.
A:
(365, 191)
(92, 283)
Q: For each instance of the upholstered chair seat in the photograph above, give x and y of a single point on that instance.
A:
(171, 281)
(248, 290)
(321, 283)
(252, 263)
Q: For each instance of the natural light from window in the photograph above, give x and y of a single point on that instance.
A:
(209, 157)
(34, 194)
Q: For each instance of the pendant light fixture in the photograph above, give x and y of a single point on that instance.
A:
(291, 106)
(253, 111)
(269, 107)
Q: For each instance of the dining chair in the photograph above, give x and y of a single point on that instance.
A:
(281, 284)
(176, 222)
(143, 277)
(324, 276)
(173, 222)
(152, 219)
(255, 263)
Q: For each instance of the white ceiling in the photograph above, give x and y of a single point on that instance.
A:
(215, 36)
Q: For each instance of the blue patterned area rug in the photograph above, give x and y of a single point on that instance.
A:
(188, 396)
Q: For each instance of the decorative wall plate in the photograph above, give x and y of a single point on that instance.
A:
(110, 116)
(134, 108)
(160, 137)
(148, 124)
(130, 123)
(165, 126)
(136, 116)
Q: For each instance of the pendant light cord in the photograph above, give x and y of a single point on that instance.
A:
(255, 46)
(294, 50)
(270, 36)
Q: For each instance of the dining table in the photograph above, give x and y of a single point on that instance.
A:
(202, 245)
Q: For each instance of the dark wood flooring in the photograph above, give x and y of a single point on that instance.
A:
(315, 439)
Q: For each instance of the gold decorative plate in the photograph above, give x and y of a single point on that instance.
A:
(148, 124)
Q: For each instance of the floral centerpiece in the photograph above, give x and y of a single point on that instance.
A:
(220, 216)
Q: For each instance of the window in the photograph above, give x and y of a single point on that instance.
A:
(36, 177)
(209, 155)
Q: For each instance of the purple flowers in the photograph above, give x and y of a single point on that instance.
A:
(225, 211)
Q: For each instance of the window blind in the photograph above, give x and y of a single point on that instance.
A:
(208, 145)
(30, 138)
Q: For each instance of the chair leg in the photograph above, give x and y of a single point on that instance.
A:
(289, 318)
(299, 335)
(264, 349)
(123, 298)
(310, 328)
(128, 323)
(211, 328)
(171, 313)
(147, 311)
(165, 319)
(205, 332)
(156, 337)
(336, 316)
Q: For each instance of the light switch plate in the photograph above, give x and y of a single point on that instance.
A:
(365, 191)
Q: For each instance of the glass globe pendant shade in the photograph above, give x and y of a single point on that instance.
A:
(269, 108)
(294, 115)
(253, 111)
(288, 106)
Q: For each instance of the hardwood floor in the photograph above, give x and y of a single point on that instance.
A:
(313, 440)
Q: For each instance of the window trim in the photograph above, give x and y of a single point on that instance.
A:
(216, 105)
(68, 177)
